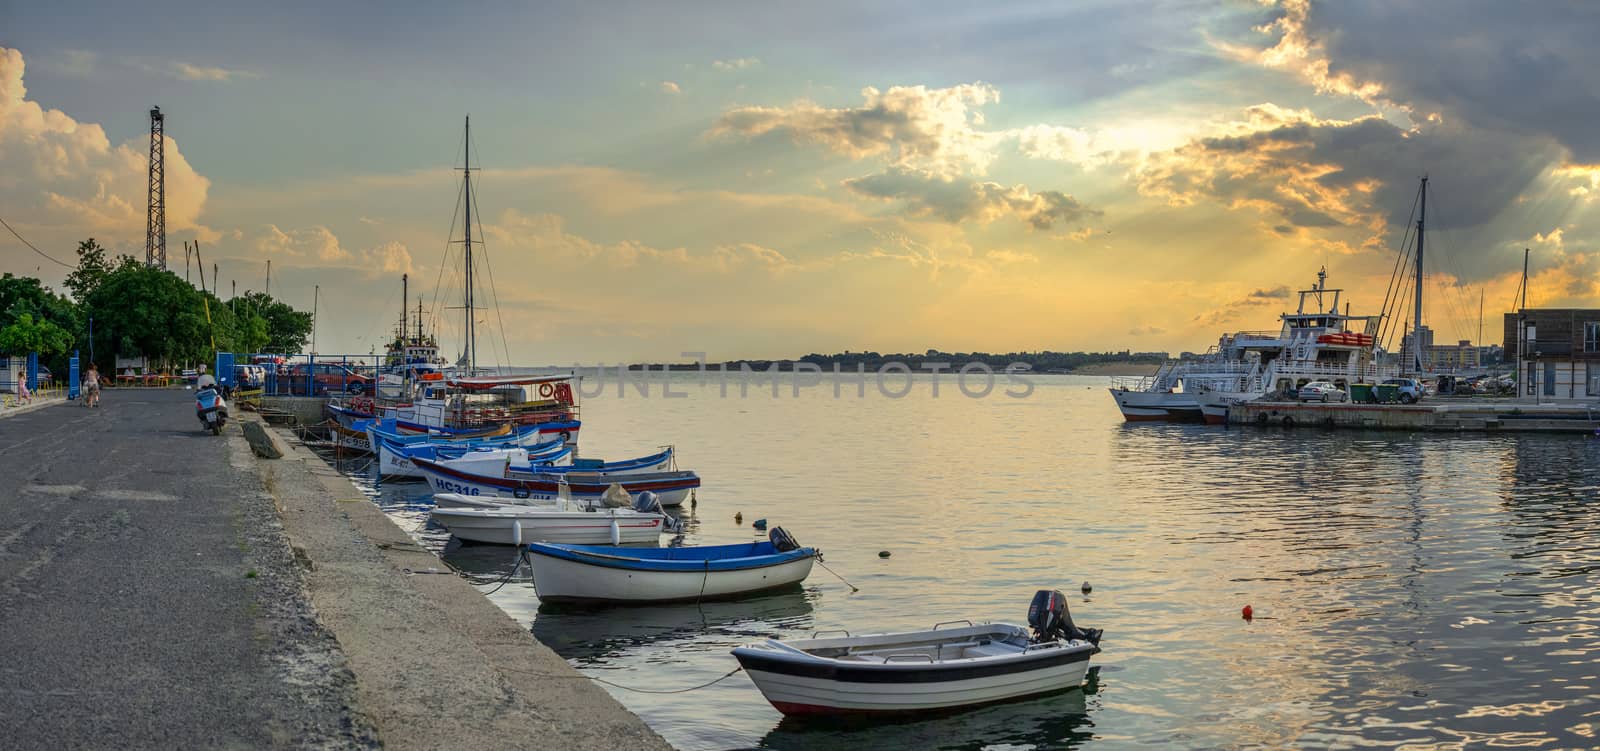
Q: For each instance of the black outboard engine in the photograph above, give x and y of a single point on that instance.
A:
(782, 541)
(1050, 619)
(649, 503)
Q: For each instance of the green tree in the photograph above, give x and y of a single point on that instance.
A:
(144, 310)
(287, 329)
(25, 335)
(92, 270)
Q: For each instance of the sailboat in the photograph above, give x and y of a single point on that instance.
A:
(465, 398)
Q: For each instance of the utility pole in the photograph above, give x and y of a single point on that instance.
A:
(200, 264)
(155, 234)
(269, 277)
(316, 291)
(214, 287)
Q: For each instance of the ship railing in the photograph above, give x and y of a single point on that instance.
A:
(1257, 335)
(1133, 383)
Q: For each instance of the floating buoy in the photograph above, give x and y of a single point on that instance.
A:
(1248, 613)
(759, 524)
(738, 518)
(883, 554)
(1086, 588)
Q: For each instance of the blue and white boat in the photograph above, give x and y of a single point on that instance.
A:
(395, 459)
(673, 488)
(598, 574)
(659, 462)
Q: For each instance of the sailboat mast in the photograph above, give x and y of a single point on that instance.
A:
(404, 294)
(472, 341)
(1416, 326)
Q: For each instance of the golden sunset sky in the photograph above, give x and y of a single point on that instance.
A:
(768, 180)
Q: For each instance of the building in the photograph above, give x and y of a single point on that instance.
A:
(1449, 358)
(1557, 352)
(1408, 347)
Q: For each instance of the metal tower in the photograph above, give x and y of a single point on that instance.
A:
(155, 237)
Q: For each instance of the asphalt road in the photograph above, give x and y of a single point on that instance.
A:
(147, 597)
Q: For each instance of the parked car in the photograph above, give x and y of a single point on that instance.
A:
(1411, 390)
(249, 376)
(1322, 391)
(45, 377)
(326, 378)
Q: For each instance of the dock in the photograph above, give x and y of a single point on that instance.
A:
(163, 587)
(1488, 415)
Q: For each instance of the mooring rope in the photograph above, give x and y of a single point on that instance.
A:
(723, 677)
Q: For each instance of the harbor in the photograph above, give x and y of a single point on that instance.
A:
(799, 377)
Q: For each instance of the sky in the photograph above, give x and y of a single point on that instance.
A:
(750, 180)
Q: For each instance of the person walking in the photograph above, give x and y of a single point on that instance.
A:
(24, 396)
(91, 387)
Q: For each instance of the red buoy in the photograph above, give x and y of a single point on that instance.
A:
(1248, 613)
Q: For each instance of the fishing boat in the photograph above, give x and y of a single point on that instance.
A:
(396, 460)
(937, 669)
(673, 488)
(595, 575)
(561, 521)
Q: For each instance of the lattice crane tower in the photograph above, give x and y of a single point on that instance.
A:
(155, 238)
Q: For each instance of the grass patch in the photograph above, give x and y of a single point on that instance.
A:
(251, 574)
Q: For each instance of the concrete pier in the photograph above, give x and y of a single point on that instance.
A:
(163, 587)
(1454, 415)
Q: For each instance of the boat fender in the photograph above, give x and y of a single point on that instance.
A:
(885, 553)
(1087, 588)
(1262, 419)
(782, 541)
(1288, 421)
(759, 524)
(516, 532)
(616, 533)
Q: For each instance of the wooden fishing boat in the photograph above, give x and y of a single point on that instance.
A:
(937, 669)
(597, 575)
(549, 522)
(673, 488)
(395, 460)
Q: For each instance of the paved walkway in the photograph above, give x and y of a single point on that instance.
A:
(39, 402)
(147, 597)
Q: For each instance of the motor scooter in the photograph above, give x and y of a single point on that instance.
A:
(212, 410)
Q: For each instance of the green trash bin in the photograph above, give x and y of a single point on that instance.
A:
(1361, 393)
(1388, 393)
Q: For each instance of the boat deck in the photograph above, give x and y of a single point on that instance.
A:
(1491, 415)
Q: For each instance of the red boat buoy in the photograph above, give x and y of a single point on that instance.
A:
(1248, 613)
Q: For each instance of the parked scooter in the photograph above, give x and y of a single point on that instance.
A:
(211, 408)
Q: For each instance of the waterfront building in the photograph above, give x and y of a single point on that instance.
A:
(1557, 352)
(1449, 358)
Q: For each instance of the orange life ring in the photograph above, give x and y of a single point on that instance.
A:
(546, 389)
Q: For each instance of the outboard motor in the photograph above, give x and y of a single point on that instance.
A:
(1050, 619)
(649, 503)
(782, 541)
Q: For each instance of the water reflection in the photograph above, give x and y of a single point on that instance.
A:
(1060, 720)
(1409, 588)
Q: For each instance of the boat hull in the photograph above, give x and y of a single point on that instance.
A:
(1157, 406)
(511, 525)
(559, 580)
(796, 683)
(1214, 404)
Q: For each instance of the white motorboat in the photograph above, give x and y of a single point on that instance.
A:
(518, 524)
(673, 488)
(394, 461)
(603, 575)
(937, 669)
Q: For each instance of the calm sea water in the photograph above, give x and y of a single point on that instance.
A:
(1436, 590)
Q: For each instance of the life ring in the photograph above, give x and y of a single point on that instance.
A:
(566, 435)
(546, 389)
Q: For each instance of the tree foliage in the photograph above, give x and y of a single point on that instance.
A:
(24, 334)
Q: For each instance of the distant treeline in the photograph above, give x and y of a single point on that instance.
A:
(1039, 362)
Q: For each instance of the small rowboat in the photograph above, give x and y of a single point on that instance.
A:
(394, 459)
(937, 669)
(549, 522)
(603, 575)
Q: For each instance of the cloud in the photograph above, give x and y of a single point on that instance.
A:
(911, 127)
(80, 63)
(957, 200)
(66, 178)
(189, 72)
(318, 246)
(1524, 69)
(739, 63)
(1254, 299)
(1146, 330)
(1276, 293)
(1300, 52)
(671, 88)
(544, 237)
(1063, 144)
(1352, 183)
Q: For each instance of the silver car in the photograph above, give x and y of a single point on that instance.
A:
(1322, 391)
